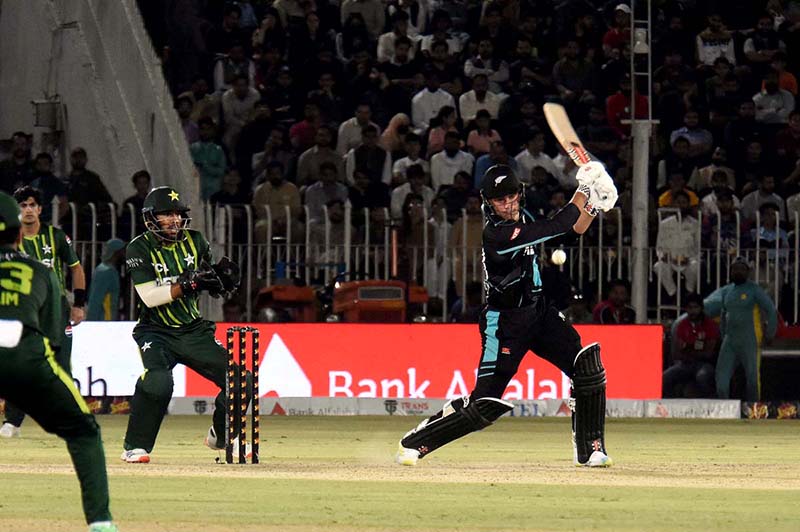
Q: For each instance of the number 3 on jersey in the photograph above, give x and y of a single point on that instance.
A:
(19, 277)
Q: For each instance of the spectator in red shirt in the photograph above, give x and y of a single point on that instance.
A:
(615, 310)
(618, 107)
(303, 133)
(696, 338)
(620, 32)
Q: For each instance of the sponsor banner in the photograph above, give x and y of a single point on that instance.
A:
(560, 408)
(414, 362)
(771, 410)
(423, 361)
(366, 406)
(693, 408)
(106, 360)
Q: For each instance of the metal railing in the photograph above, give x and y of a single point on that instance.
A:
(275, 247)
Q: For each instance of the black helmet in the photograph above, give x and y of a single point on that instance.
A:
(164, 200)
(499, 180)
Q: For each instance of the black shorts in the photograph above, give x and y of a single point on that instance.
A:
(507, 335)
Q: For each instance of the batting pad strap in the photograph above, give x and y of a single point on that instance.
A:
(457, 418)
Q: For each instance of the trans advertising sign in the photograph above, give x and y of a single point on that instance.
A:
(370, 360)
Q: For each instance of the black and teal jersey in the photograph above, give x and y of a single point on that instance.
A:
(150, 259)
(511, 271)
(52, 247)
(30, 294)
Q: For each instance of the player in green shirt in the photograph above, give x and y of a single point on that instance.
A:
(170, 266)
(30, 327)
(52, 247)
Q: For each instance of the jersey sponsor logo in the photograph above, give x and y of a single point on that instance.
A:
(47, 262)
(530, 250)
(516, 233)
(134, 262)
(160, 268)
(167, 280)
(505, 351)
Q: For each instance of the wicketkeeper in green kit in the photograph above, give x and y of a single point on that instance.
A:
(30, 328)
(52, 247)
(170, 266)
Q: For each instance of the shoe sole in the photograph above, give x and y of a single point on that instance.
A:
(138, 460)
(607, 463)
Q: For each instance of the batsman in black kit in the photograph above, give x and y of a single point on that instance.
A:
(517, 319)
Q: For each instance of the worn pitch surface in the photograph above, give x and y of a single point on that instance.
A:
(336, 474)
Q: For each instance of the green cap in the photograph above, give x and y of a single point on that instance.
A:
(9, 212)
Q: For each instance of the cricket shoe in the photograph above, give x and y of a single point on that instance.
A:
(212, 443)
(406, 456)
(136, 456)
(103, 526)
(599, 459)
(9, 431)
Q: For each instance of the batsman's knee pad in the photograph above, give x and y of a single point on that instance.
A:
(589, 394)
(156, 384)
(457, 418)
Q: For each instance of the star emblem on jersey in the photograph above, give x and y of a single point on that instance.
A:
(47, 249)
(189, 259)
(499, 179)
(146, 346)
(174, 195)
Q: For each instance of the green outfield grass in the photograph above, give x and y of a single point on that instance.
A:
(335, 474)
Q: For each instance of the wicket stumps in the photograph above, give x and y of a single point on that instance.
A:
(236, 394)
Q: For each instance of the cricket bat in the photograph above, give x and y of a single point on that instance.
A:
(564, 133)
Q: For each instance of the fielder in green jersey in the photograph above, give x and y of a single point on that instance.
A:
(170, 266)
(30, 323)
(52, 247)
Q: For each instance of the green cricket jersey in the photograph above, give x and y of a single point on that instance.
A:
(52, 247)
(149, 259)
(30, 293)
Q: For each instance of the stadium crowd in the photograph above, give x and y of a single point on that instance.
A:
(399, 106)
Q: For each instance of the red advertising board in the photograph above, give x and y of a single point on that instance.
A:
(432, 361)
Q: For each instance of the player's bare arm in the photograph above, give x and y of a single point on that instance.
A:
(78, 311)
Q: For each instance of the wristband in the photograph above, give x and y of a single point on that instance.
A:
(79, 297)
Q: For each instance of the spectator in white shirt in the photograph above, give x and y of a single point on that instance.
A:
(793, 209)
(700, 140)
(426, 103)
(480, 97)
(413, 148)
(533, 156)
(387, 40)
(719, 183)
(715, 41)
(441, 31)
(765, 194)
(447, 163)
(417, 14)
(485, 63)
(415, 177)
(350, 131)
(323, 191)
(678, 247)
(237, 105)
(702, 178)
(773, 104)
